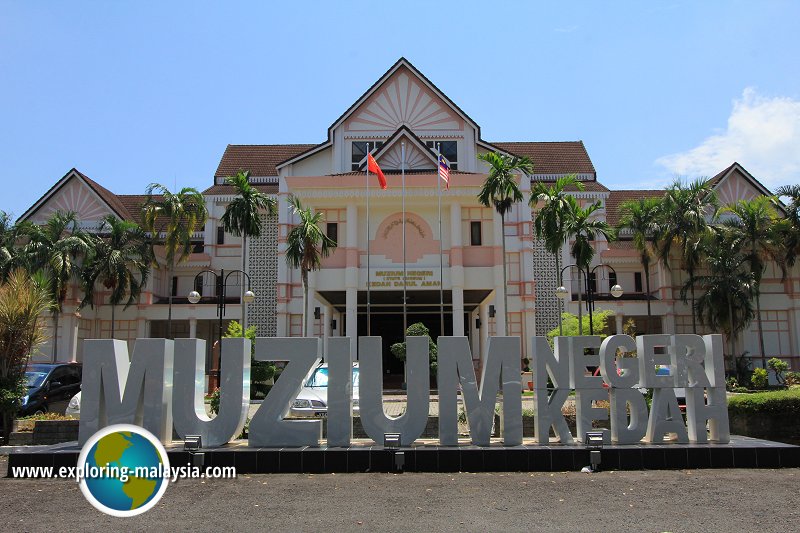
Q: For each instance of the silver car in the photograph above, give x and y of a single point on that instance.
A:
(312, 402)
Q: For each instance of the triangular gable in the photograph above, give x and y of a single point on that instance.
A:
(402, 96)
(417, 156)
(75, 192)
(736, 183)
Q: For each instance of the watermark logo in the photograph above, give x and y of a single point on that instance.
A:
(123, 470)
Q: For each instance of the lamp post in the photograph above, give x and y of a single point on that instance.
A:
(616, 292)
(221, 282)
(564, 293)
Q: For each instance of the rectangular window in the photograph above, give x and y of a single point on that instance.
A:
(637, 282)
(198, 247)
(612, 280)
(475, 233)
(593, 282)
(220, 235)
(360, 151)
(174, 286)
(332, 231)
(449, 149)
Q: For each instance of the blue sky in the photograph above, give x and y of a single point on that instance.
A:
(131, 93)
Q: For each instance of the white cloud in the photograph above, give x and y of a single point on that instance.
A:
(763, 135)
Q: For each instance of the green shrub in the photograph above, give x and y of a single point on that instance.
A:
(260, 371)
(417, 329)
(781, 402)
(779, 367)
(731, 384)
(214, 403)
(571, 327)
(792, 378)
(760, 378)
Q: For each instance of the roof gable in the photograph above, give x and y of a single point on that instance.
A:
(736, 183)
(417, 155)
(76, 192)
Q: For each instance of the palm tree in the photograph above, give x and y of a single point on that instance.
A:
(726, 300)
(306, 245)
(171, 219)
(640, 217)
(789, 229)
(501, 191)
(548, 222)
(684, 222)
(754, 225)
(56, 249)
(242, 215)
(120, 259)
(11, 256)
(579, 225)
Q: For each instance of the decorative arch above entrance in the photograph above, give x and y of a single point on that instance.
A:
(420, 240)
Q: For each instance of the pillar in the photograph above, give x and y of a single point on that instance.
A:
(458, 311)
(619, 318)
(499, 286)
(327, 314)
(192, 328)
(484, 333)
(351, 309)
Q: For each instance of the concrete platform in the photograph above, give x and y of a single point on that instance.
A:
(741, 452)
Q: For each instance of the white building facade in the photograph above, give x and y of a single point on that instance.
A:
(452, 256)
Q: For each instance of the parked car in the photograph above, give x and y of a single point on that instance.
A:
(50, 387)
(74, 406)
(312, 402)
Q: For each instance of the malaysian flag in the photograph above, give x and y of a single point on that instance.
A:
(444, 170)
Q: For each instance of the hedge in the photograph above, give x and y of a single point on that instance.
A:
(780, 402)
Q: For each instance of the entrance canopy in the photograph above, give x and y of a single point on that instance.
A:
(416, 301)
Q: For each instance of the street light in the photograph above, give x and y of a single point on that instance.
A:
(221, 282)
(616, 292)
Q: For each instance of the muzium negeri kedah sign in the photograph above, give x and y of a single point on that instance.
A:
(161, 387)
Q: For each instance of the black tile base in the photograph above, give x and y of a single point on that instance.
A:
(741, 452)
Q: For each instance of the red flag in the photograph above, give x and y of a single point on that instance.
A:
(372, 166)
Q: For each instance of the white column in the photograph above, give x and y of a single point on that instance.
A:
(499, 287)
(619, 317)
(327, 314)
(484, 333)
(351, 307)
(192, 328)
(312, 303)
(351, 279)
(458, 311)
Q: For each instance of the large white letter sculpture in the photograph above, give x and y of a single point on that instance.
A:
(455, 364)
(118, 391)
(234, 399)
(410, 424)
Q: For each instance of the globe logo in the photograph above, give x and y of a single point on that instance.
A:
(124, 470)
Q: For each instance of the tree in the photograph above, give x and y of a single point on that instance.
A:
(754, 225)
(686, 208)
(549, 220)
(120, 259)
(242, 215)
(56, 249)
(789, 229)
(418, 329)
(306, 245)
(572, 326)
(23, 299)
(640, 217)
(11, 256)
(501, 191)
(579, 225)
(727, 291)
(171, 219)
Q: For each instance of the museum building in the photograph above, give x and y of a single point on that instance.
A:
(452, 251)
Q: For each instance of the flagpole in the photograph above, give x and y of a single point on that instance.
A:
(369, 318)
(403, 170)
(441, 251)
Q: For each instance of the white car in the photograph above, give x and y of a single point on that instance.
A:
(74, 406)
(312, 402)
